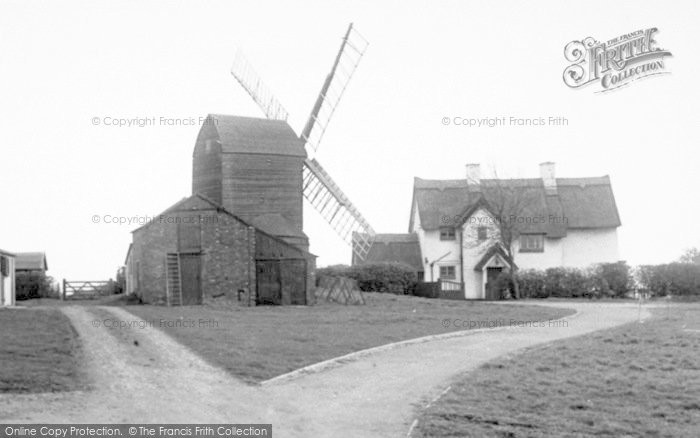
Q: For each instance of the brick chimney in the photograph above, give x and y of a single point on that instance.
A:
(548, 177)
(474, 176)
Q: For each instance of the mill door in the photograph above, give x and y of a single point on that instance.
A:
(191, 279)
(268, 282)
(492, 292)
(293, 273)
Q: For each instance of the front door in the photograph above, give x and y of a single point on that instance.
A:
(191, 279)
(492, 292)
(268, 282)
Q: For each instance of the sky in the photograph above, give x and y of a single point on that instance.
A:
(65, 64)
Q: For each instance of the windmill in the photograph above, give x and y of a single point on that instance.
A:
(319, 189)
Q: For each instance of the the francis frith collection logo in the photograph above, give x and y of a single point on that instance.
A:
(614, 63)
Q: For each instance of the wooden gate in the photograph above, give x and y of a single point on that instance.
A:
(86, 290)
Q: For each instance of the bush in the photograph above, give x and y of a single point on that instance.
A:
(531, 283)
(614, 279)
(33, 284)
(427, 290)
(505, 285)
(376, 277)
(565, 283)
(681, 279)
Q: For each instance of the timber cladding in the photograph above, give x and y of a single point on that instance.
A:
(251, 167)
(254, 185)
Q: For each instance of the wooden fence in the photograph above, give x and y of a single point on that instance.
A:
(445, 289)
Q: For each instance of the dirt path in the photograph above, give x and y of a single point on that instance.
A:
(159, 380)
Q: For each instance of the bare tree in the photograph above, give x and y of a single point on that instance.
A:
(691, 255)
(512, 205)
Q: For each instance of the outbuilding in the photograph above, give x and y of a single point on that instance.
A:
(7, 278)
(197, 251)
(31, 262)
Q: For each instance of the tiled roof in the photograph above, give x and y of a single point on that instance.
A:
(394, 248)
(579, 203)
(31, 261)
(277, 225)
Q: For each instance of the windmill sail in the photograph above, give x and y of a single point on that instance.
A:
(251, 83)
(335, 207)
(351, 50)
(318, 187)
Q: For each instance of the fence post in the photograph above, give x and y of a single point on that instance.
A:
(63, 290)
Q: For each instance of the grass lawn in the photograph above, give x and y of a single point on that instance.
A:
(262, 342)
(39, 352)
(635, 380)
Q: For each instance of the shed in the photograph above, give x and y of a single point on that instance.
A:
(197, 251)
(7, 278)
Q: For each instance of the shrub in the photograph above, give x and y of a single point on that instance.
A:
(505, 285)
(33, 284)
(614, 279)
(427, 290)
(565, 283)
(531, 283)
(385, 277)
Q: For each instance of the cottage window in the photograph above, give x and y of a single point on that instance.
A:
(447, 233)
(448, 273)
(481, 233)
(532, 243)
(4, 266)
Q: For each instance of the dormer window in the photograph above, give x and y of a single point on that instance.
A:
(447, 233)
(482, 233)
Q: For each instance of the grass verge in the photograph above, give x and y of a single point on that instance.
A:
(39, 352)
(262, 342)
(636, 380)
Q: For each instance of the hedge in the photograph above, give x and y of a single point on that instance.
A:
(376, 277)
(681, 279)
(602, 280)
(598, 281)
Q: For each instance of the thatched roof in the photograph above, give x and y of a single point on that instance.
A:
(579, 203)
(251, 135)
